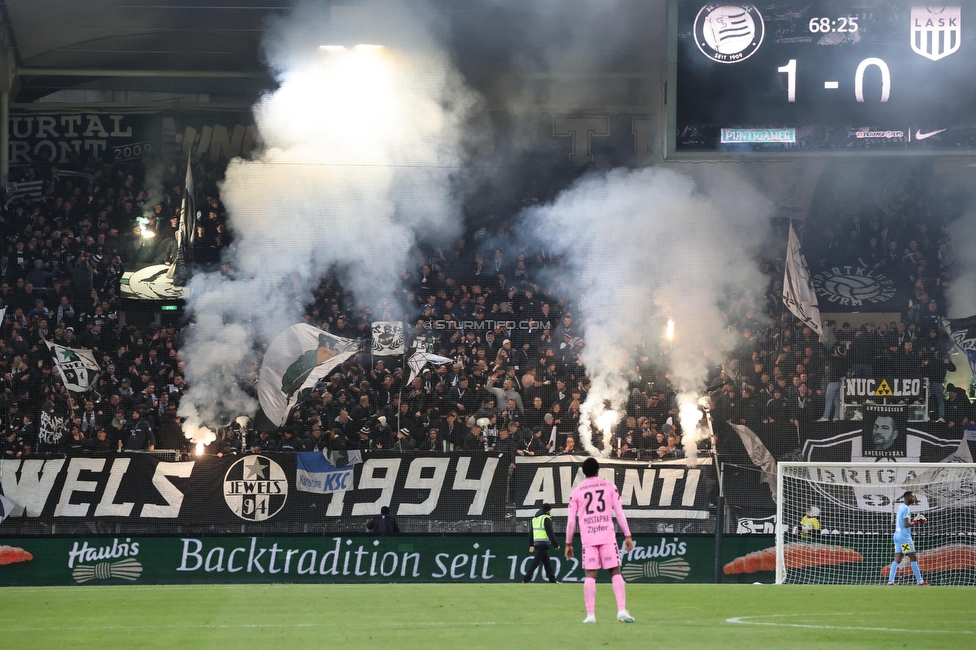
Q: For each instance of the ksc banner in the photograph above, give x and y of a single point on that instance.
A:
(140, 493)
(662, 491)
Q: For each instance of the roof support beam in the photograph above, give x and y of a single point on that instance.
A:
(100, 72)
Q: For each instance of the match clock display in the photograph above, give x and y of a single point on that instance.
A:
(876, 76)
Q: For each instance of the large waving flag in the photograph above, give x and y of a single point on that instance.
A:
(295, 360)
(77, 367)
(760, 455)
(187, 233)
(798, 294)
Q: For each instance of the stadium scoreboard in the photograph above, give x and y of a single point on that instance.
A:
(877, 76)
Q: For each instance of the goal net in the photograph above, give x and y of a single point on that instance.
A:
(835, 522)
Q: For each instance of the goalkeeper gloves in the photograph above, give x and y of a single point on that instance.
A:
(919, 519)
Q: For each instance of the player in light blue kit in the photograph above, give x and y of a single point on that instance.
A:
(903, 539)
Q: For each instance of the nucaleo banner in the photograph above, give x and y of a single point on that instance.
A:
(304, 559)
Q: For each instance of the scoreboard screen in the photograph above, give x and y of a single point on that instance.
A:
(792, 76)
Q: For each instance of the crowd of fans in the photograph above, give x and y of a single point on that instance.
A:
(65, 249)
(516, 384)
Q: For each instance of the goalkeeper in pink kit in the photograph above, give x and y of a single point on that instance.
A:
(593, 501)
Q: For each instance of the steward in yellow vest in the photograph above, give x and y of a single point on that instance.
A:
(541, 538)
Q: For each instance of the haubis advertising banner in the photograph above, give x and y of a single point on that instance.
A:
(188, 559)
(140, 492)
(660, 490)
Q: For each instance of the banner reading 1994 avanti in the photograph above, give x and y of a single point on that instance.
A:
(454, 558)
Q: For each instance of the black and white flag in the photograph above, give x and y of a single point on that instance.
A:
(388, 338)
(52, 427)
(77, 367)
(798, 294)
(17, 191)
(759, 454)
(962, 331)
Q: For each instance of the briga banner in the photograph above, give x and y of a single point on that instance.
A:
(655, 491)
(189, 559)
(141, 493)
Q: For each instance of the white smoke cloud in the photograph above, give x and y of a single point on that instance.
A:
(360, 147)
(961, 297)
(645, 245)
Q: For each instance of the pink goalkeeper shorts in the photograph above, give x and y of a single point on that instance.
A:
(604, 556)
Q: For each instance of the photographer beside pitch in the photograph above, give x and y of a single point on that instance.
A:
(592, 501)
(903, 539)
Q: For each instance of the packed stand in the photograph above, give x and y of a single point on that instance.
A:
(67, 244)
(515, 387)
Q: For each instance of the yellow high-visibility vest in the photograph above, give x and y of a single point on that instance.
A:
(539, 533)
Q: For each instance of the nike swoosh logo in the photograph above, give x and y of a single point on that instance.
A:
(922, 136)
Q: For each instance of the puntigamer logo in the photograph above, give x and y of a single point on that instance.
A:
(255, 488)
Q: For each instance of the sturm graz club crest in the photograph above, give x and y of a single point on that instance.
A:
(729, 33)
(936, 31)
(255, 488)
(853, 286)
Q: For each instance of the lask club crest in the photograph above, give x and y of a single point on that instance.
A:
(255, 488)
(936, 31)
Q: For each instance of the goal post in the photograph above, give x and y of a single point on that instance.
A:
(835, 521)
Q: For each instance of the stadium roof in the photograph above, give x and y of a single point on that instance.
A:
(189, 46)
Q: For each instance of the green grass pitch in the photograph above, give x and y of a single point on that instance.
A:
(484, 616)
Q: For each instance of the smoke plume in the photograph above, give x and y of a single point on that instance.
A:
(961, 297)
(360, 148)
(644, 246)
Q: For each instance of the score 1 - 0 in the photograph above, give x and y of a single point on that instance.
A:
(790, 70)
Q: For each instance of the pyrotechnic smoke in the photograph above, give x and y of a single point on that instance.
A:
(646, 245)
(359, 149)
(154, 190)
(961, 296)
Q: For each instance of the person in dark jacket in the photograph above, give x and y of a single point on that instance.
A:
(384, 524)
(541, 538)
(935, 368)
(137, 434)
(289, 442)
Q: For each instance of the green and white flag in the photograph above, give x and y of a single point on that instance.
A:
(296, 360)
(78, 368)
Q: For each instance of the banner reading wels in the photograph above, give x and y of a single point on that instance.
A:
(313, 559)
(140, 493)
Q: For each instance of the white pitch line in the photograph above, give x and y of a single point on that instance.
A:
(744, 620)
(206, 626)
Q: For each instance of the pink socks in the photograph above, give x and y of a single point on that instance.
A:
(589, 595)
(620, 592)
